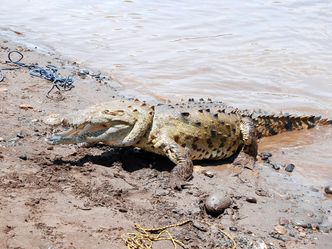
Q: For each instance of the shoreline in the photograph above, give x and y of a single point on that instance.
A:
(76, 197)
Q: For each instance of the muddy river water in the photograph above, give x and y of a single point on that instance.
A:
(273, 55)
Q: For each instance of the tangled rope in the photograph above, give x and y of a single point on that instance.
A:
(144, 237)
(50, 73)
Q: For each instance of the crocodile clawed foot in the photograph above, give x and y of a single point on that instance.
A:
(177, 183)
(245, 161)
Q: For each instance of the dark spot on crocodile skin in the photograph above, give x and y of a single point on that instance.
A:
(207, 110)
(152, 137)
(162, 146)
(159, 104)
(213, 133)
(176, 138)
(183, 145)
(209, 142)
(233, 130)
(201, 99)
(215, 115)
(135, 110)
(272, 132)
(221, 111)
(222, 122)
(288, 125)
(200, 110)
(194, 146)
(198, 123)
(195, 139)
(185, 114)
(188, 137)
(129, 106)
(151, 112)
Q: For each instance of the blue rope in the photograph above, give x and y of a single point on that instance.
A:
(50, 73)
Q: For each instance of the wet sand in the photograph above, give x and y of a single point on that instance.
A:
(76, 197)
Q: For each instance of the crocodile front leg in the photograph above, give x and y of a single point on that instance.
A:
(180, 156)
(247, 156)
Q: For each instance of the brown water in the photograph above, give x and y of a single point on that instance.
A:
(251, 54)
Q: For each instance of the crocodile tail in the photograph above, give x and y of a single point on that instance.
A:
(272, 124)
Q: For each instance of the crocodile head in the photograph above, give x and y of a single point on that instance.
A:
(118, 123)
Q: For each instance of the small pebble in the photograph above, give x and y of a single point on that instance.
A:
(265, 155)
(123, 210)
(313, 189)
(216, 203)
(233, 229)
(275, 166)
(280, 230)
(290, 167)
(209, 173)
(20, 134)
(23, 157)
(283, 221)
(251, 199)
(328, 190)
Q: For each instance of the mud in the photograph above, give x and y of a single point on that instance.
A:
(70, 196)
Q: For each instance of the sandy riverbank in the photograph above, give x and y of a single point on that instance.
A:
(76, 197)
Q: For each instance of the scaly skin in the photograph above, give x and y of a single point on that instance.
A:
(183, 132)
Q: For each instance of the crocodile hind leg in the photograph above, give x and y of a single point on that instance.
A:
(180, 156)
(248, 153)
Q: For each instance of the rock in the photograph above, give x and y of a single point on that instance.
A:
(53, 119)
(283, 221)
(209, 173)
(328, 190)
(275, 166)
(302, 234)
(161, 192)
(265, 155)
(200, 226)
(261, 192)
(23, 157)
(123, 210)
(259, 244)
(251, 199)
(216, 203)
(313, 189)
(25, 107)
(20, 134)
(280, 230)
(290, 167)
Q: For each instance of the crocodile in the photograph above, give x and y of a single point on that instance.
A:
(185, 131)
